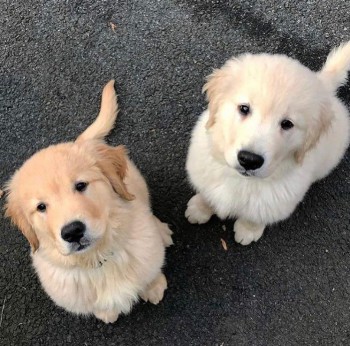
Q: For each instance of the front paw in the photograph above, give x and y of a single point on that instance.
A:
(247, 232)
(165, 232)
(107, 316)
(154, 293)
(198, 211)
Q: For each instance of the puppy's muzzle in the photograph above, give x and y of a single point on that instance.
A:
(249, 161)
(73, 232)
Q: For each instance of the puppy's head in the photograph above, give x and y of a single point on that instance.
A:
(265, 112)
(63, 195)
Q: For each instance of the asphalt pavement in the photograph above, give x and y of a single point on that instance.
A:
(290, 288)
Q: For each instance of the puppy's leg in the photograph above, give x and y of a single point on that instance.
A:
(198, 210)
(246, 232)
(107, 316)
(165, 232)
(154, 292)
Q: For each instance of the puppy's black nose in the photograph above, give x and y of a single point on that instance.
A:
(249, 161)
(73, 231)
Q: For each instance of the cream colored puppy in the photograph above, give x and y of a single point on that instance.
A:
(273, 127)
(84, 208)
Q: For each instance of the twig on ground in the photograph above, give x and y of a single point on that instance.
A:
(2, 311)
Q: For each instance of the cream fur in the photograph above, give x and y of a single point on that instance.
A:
(125, 241)
(276, 87)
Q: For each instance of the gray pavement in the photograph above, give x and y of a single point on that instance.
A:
(290, 288)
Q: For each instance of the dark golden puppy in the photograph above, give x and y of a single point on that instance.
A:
(85, 210)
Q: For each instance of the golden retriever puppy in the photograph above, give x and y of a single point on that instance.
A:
(85, 210)
(272, 128)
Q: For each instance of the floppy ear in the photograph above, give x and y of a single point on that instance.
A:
(316, 129)
(218, 84)
(213, 89)
(14, 211)
(113, 164)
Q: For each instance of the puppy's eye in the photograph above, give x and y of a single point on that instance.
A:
(244, 109)
(286, 124)
(81, 186)
(41, 207)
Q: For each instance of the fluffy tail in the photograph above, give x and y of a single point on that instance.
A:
(335, 71)
(106, 117)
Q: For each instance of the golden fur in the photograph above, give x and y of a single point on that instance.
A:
(124, 242)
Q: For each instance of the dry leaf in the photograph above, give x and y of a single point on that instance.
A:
(1, 193)
(223, 243)
(113, 26)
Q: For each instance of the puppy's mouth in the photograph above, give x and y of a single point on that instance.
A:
(80, 246)
(258, 174)
(245, 173)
